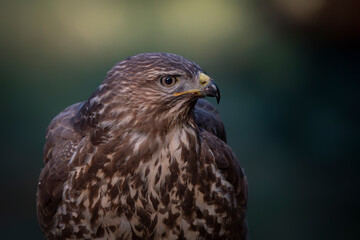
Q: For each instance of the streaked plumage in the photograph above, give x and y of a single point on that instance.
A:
(141, 159)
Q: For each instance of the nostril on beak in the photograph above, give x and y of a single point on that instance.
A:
(212, 90)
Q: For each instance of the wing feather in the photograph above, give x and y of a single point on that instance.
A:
(61, 142)
(214, 142)
(226, 160)
(207, 117)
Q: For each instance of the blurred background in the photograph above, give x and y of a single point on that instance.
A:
(288, 71)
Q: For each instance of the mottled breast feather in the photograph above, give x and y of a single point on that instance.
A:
(139, 160)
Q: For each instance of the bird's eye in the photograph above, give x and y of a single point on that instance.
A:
(168, 81)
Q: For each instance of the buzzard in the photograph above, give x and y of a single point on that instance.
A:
(143, 158)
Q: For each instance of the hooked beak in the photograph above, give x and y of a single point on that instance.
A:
(207, 88)
(212, 90)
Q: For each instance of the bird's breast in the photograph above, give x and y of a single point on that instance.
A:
(166, 193)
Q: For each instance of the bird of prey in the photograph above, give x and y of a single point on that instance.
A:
(143, 158)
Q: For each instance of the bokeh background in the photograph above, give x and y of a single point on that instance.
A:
(288, 70)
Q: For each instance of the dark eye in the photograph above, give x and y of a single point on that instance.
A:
(168, 81)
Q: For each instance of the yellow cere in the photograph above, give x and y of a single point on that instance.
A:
(204, 79)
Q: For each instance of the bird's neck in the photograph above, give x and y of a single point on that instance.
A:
(160, 159)
(143, 118)
(134, 150)
(125, 120)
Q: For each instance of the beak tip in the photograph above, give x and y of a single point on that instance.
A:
(212, 90)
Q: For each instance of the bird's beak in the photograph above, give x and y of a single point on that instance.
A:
(207, 88)
(212, 90)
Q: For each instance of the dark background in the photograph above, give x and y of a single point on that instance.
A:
(288, 70)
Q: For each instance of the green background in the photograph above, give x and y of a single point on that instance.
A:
(289, 76)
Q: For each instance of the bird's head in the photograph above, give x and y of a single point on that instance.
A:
(155, 85)
(169, 76)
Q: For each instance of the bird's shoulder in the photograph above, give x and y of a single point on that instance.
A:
(207, 118)
(61, 135)
(213, 136)
(62, 139)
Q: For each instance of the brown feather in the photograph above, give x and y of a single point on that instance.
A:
(61, 142)
(134, 161)
(207, 117)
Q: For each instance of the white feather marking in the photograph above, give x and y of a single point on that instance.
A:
(139, 141)
(114, 180)
(184, 139)
(126, 120)
(94, 100)
(86, 203)
(105, 124)
(188, 234)
(81, 197)
(124, 227)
